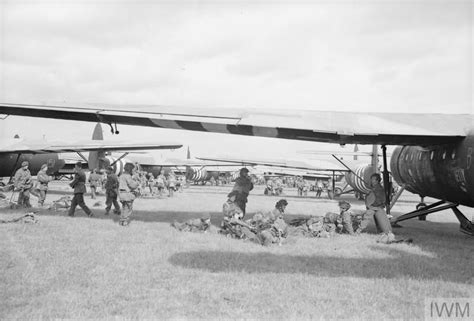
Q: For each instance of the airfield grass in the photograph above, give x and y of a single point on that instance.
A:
(82, 267)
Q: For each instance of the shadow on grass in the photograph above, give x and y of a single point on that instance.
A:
(399, 265)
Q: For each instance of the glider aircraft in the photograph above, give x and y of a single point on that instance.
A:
(434, 158)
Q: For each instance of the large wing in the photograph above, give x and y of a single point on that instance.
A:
(42, 148)
(318, 165)
(321, 126)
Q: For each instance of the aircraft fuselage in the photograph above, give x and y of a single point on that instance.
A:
(9, 163)
(444, 172)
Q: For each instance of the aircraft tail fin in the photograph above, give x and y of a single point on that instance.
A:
(95, 157)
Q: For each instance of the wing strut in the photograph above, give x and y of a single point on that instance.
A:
(350, 170)
(386, 180)
(118, 159)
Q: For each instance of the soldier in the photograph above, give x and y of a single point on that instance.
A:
(43, 181)
(375, 203)
(171, 184)
(319, 188)
(269, 228)
(243, 185)
(95, 180)
(300, 185)
(151, 183)
(274, 233)
(126, 188)
(277, 212)
(343, 220)
(111, 192)
(269, 188)
(23, 183)
(231, 213)
(79, 185)
(160, 183)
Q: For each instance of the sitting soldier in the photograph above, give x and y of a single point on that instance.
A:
(278, 211)
(232, 221)
(345, 221)
(270, 227)
(194, 225)
(274, 233)
(314, 226)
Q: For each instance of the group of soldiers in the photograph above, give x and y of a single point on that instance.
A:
(149, 184)
(263, 228)
(272, 228)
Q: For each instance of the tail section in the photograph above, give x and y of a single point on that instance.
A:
(96, 159)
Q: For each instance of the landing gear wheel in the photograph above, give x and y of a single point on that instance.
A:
(419, 207)
(337, 191)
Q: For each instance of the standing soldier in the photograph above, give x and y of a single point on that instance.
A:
(319, 188)
(43, 180)
(79, 185)
(95, 180)
(23, 183)
(151, 183)
(171, 184)
(111, 191)
(160, 183)
(243, 185)
(300, 185)
(126, 188)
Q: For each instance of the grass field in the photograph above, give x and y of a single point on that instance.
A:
(92, 268)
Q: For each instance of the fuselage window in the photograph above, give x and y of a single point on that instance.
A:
(453, 154)
(432, 155)
(419, 156)
(444, 154)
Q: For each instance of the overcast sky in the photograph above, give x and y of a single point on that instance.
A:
(388, 56)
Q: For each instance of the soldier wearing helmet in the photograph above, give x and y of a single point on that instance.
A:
(79, 185)
(23, 184)
(43, 181)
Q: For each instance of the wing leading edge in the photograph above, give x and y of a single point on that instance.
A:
(66, 148)
(320, 126)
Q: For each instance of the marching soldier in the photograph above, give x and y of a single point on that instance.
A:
(23, 183)
(79, 185)
(43, 181)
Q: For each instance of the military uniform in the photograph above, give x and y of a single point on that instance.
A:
(126, 187)
(23, 183)
(376, 210)
(314, 226)
(95, 180)
(160, 183)
(171, 185)
(79, 185)
(232, 215)
(43, 181)
(111, 193)
(243, 186)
